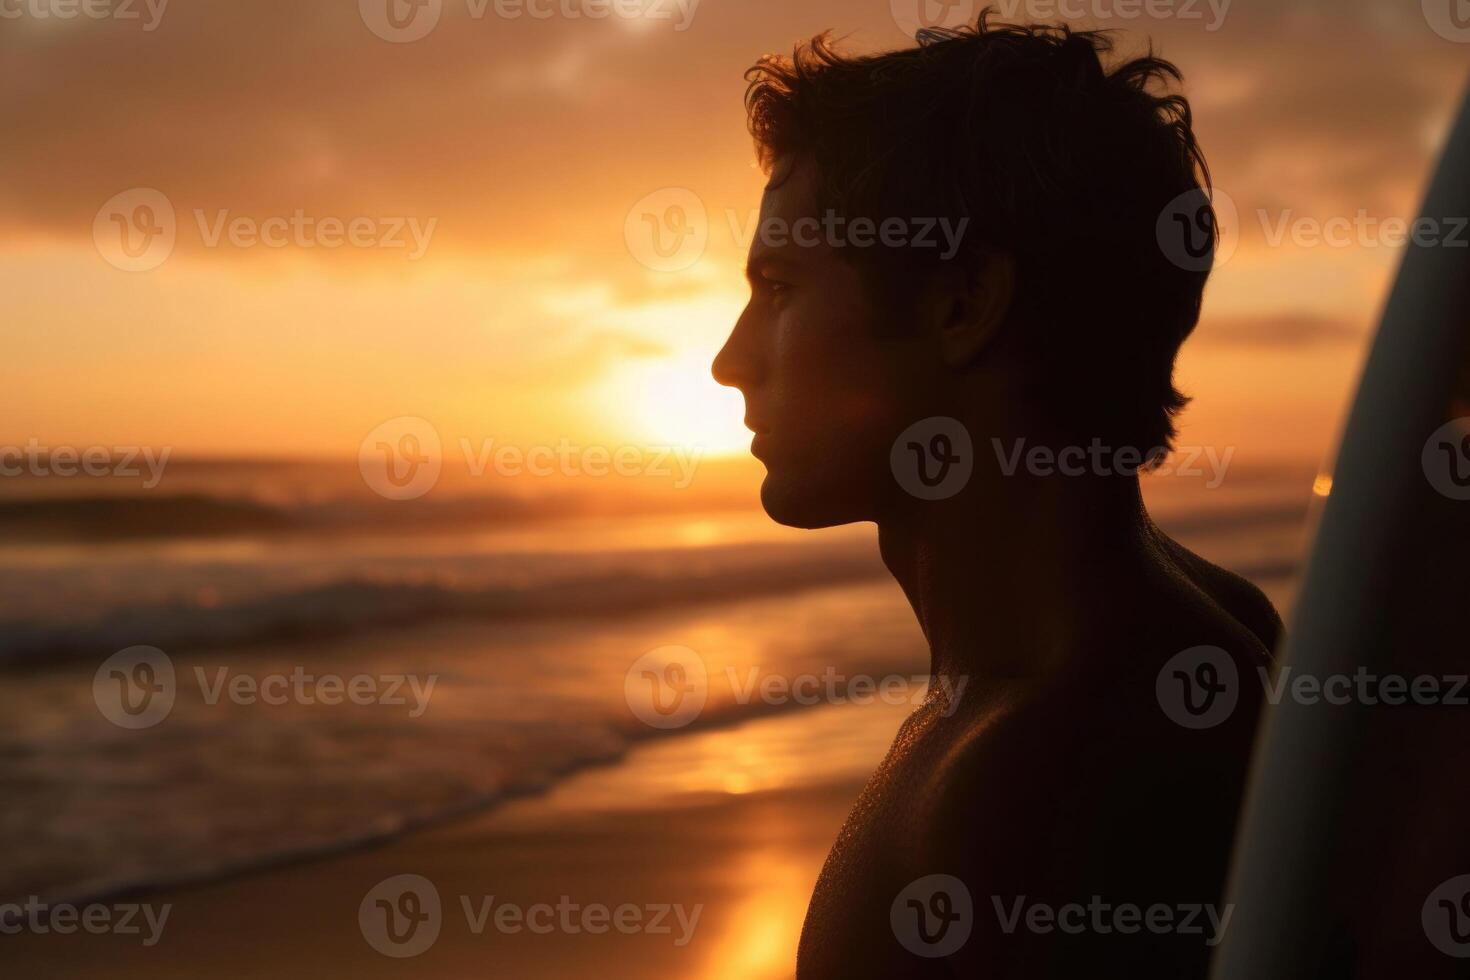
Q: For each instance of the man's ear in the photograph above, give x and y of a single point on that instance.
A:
(976, 304)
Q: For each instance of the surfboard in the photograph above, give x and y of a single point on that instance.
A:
(1353, 858)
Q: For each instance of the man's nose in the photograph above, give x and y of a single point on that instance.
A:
(737, 365)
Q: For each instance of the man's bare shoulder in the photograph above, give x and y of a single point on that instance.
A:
(1110, 764)
(1084, 794)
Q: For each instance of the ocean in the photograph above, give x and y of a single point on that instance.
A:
(494, 639)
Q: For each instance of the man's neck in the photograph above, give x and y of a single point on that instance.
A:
(1015, 582)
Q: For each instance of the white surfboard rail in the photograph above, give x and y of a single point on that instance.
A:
(1305, 757)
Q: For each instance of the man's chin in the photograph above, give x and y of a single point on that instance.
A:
(796, 503)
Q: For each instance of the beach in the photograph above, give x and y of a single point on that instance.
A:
(734, 822)
(355, 723)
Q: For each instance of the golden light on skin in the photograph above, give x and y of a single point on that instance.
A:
(1322, 486)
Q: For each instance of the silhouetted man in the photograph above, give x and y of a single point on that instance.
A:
(966, 301)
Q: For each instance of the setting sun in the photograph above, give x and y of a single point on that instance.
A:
(674, 401)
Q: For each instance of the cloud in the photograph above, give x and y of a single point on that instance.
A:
(1295, 328)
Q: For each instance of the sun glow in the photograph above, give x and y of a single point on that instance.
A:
(674, 401)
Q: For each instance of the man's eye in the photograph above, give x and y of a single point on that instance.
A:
(775, 286)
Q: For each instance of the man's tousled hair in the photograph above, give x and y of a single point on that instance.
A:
(1062, 163)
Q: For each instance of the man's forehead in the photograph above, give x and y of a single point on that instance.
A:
(791, 191)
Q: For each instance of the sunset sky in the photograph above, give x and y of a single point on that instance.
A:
(528, 143)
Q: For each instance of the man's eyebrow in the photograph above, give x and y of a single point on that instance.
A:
(766, 261)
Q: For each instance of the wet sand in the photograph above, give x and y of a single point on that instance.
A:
(724, 831)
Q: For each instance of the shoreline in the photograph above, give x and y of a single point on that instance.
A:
(729, 819)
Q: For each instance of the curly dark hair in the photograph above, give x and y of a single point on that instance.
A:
(1056, 160)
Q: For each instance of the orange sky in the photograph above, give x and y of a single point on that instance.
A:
(527, 143)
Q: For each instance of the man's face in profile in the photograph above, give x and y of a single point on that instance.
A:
(827, 384)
